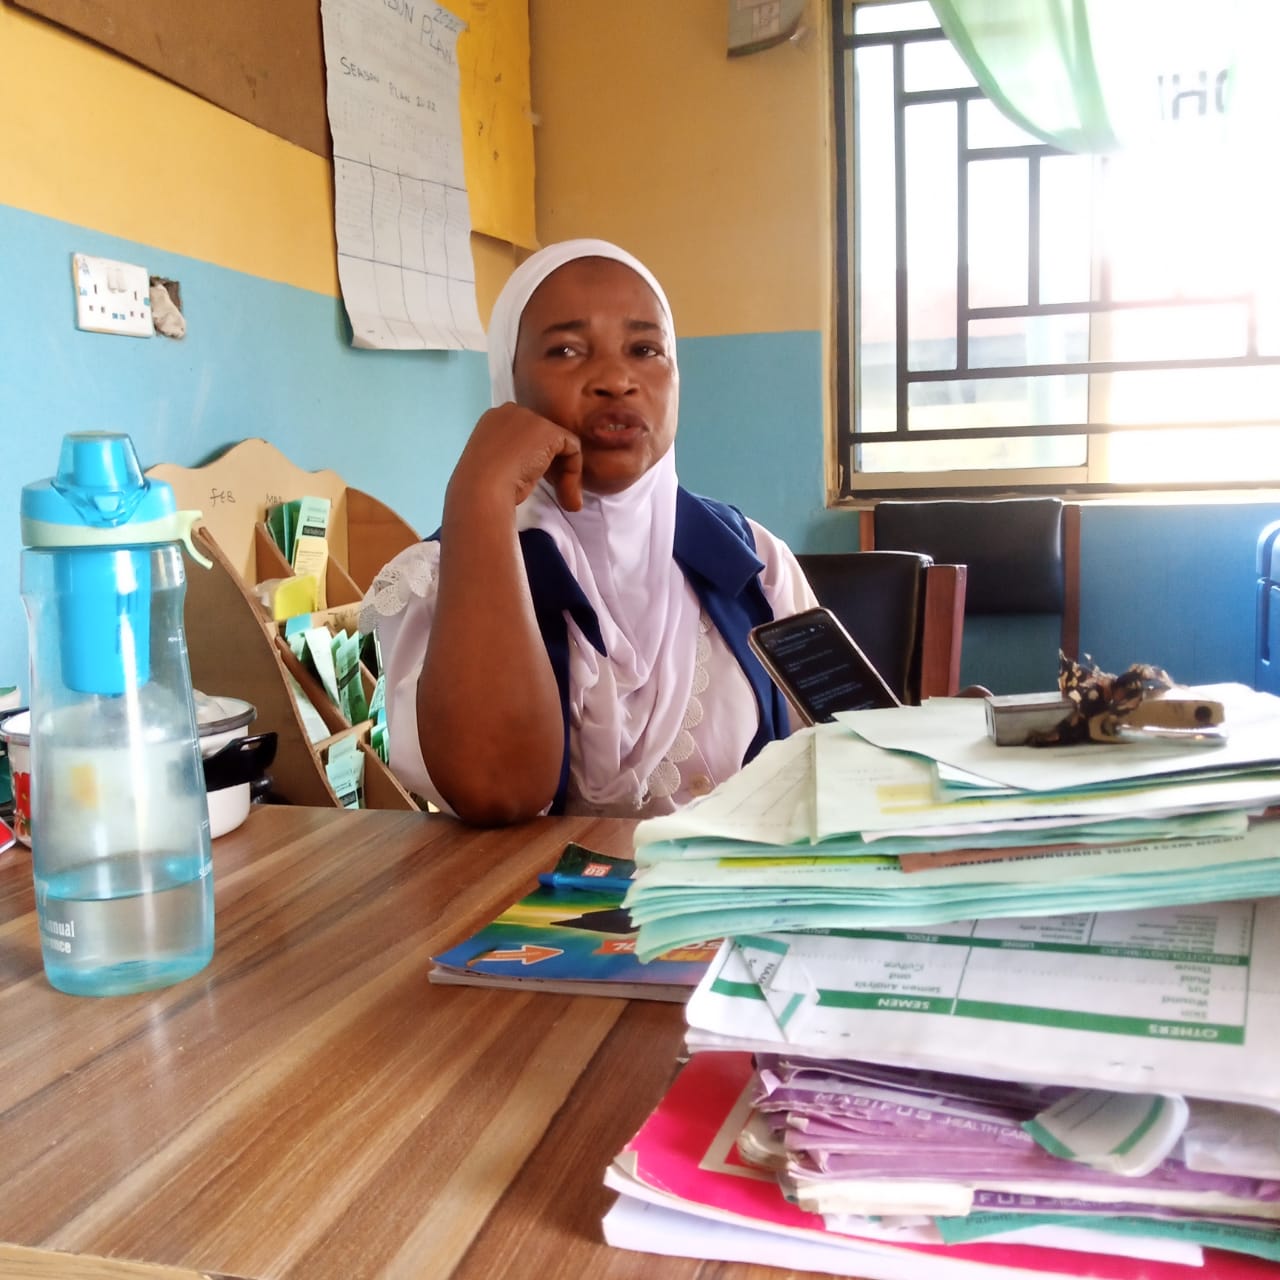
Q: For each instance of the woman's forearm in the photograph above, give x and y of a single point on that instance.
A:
(489, 716)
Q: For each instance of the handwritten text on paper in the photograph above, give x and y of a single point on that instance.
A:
(401, 210)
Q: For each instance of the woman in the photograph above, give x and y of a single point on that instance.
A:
(576, 638)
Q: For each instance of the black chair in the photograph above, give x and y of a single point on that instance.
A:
(905, 612)
(1023, 554)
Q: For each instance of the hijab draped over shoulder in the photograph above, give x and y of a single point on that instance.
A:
(630, 707)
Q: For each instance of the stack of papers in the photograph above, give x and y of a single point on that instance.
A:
(685, 1188)
(910, 817)
(864, 1140)
(1182, 1000)
(978, 1011)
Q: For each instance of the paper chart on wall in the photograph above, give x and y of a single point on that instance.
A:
(402, 216)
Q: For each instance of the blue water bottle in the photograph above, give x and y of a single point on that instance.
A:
(119, 813)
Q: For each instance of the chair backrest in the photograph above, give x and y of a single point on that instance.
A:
(1023, 554)
(1267, 652)
(904, 611)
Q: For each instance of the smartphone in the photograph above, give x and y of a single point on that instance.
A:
(817, 664)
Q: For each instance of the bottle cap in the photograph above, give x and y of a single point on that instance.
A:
(100, 498)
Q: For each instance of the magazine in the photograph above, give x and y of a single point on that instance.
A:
(573, 935)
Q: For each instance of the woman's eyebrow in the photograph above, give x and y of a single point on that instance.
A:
(563, 326)
(575, 326)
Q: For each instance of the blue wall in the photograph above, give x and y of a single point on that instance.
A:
(1174, 586)
(259, 359)
(1169, 585)
(751, 433)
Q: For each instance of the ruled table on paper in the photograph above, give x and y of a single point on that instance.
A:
(401, 211)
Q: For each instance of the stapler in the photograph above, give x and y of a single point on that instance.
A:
(1175, 715)
(1012, 719)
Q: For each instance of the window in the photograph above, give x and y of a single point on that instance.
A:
(1015, 317)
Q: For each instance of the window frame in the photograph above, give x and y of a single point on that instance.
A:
(1087, 478)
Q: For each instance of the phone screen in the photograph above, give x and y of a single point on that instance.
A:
(815, 662)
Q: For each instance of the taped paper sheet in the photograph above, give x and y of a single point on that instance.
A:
(402, 215)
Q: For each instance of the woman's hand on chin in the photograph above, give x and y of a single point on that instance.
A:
(510, 450)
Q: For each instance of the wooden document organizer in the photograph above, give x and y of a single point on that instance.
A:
(235, 649)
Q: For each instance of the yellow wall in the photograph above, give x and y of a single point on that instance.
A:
(125, 152)
(713, 170)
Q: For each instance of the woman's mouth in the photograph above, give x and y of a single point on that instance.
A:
(613, 428)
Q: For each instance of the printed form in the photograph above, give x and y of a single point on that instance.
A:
(1179, 1000)
(402, 216)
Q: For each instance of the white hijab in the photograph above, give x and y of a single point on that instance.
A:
(628, 707)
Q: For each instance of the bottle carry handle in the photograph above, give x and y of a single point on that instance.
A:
(175, 527)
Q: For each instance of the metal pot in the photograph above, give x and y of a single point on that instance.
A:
(234, 762)
(16, 730)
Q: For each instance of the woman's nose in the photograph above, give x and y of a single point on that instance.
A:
(610, 376)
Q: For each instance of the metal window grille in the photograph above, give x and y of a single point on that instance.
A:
(964, 367)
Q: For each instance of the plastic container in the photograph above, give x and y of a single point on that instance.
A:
(16, 731)
(119, 819)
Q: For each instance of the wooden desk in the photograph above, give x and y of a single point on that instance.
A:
(310, 1105)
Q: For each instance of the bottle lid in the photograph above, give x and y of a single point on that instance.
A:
(100, 498)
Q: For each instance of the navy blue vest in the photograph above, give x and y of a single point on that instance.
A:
(715, 549)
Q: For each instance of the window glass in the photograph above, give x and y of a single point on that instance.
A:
(977, 403)
(997, 233)
(1066, 228)
(933, 64)
(943, 456)
(870, 18)
(991, 128)
(931, 236)
(1015, 341)
(1136, 290)
(875, 208)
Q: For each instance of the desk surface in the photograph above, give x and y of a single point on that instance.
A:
(310, 1105)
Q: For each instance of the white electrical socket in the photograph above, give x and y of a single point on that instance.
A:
(112, 297)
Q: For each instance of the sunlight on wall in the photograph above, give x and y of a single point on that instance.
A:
(715, 171)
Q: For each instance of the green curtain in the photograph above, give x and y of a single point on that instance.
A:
(1100, 75)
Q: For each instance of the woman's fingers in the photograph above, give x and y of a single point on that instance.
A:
(566, 476)
(512, 448)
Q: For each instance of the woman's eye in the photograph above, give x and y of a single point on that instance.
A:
(561, 351)
(646, 349)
